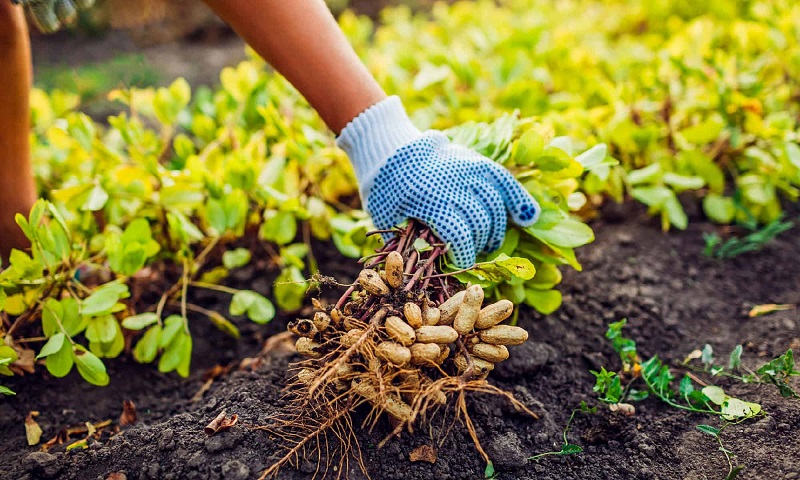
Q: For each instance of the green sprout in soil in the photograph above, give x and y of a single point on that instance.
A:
(754, 241)
(568, 448)
(616, 388)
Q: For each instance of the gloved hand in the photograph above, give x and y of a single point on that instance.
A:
(50, 15)
(403, 173)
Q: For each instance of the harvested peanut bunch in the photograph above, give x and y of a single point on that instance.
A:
(400, 339)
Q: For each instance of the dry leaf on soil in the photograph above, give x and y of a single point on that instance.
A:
(32, 429)
(423, 453)
(221, 422)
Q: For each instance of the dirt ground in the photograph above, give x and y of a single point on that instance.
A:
(675, 299)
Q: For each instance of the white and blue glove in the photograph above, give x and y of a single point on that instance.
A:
(50, 15)
(403, 173)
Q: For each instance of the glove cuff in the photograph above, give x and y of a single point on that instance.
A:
(374, 136)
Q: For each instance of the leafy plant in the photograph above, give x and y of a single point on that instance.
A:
(658, 381)
(568, 448)
(691, 99)
(754, 241)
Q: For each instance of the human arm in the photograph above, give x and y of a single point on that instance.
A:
(402, 172)
(301, 40)
(17, 189)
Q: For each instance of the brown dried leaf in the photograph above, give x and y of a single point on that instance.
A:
(276, 344)
(423, 453)
(221, 422)
(117, 476)
(32, 429)
(760, 310)
(25, 361)
(128, 416)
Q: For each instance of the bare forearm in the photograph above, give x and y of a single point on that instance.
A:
(17, 190)
(301, 40)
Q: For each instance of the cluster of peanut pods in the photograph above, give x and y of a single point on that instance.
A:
(407, 332)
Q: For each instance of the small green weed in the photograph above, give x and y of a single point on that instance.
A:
(754, 241)
(657, 378)
(568, 448)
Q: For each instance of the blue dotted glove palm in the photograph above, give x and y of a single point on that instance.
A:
(403, 173)
(50, 15)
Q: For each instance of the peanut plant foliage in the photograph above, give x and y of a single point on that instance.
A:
(658, 100)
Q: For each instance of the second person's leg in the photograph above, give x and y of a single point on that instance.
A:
(17, 188)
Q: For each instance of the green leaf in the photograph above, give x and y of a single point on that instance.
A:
(140, 321)
(544, 301)
(594, 157)
(683, 182)
(648, 174)
(102, 329)
(504, 267)
(90, 367)
(568, 233)
(59, 364)
(279, 228)
(257, 307)
(735, 359)
(421, 245)
(528, 148)
(290, 289)
(177, 355)
(686, 387)
(172, 325)
(718, 208)
(707, 355)
(704, 132)
(236, 258)
(102, 300)
(715, 394)
(96, 200)
(147, 347)
(6, 391)
(223, 324)
(52, 346)
(570, 449)
(714, 432)
(489, 472)
(734, 409)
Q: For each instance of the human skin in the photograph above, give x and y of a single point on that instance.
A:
(302, 41)
(17, 188)
(299, 38)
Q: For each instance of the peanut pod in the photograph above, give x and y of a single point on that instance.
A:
(371, 281)
(307, 347)
(493, 314)
(425, 353)
(400, 331)
(413, 314)
(394, 269)
(303, 327)
(306, 376)
(394, 353)
(436, 334)
(504, 335)
(393, 405)
(322, 321)
(431, 315)
(468, 311)
(480, 366)
(488, 352)
(448, 310)
(351, 337)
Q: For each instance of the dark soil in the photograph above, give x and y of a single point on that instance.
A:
(675, 299)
